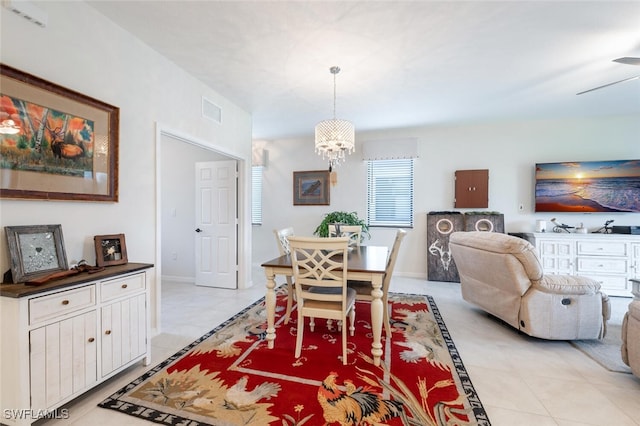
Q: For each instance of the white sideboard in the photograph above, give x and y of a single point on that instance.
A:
(61, 339)
(611, 259)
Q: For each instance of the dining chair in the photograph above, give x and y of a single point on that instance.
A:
(363, 288)
(320, 272)
(354, 232)
(282, 236)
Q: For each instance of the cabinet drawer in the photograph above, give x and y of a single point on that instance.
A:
(64, 302)
(613, 285)
(602, 265)
(121, 287)
(603, 248)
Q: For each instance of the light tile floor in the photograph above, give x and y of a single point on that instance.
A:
(520, 380)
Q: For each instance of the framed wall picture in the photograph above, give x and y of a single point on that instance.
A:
(110, 250)
(56, 144)
(311, 188)
(35, 250)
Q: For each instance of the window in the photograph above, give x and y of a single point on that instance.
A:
(256, 195)
(390, 193)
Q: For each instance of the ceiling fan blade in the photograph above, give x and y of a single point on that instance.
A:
(628, 60)
(610, 84)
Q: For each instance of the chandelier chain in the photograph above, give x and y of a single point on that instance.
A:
(334, 137)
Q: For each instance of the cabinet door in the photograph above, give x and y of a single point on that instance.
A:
(472, 189)
(63, 359)
(557, 256)
(124, 332)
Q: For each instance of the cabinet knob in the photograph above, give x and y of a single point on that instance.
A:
(124, 286)
(91, 340)
(65, 302)
(107, 332)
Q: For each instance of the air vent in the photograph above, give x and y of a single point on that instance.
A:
(28, 11)
(211, 110)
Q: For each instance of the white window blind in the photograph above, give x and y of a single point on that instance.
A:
(390, 193)
(256, 195)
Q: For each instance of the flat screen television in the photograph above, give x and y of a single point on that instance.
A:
(588, 186)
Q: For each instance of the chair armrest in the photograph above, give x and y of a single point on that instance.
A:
(567, 284)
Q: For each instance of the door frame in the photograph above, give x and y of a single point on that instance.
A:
(243, 247)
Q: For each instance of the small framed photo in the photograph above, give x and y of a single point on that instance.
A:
(311, 188)
(35, 250)
(110, 250)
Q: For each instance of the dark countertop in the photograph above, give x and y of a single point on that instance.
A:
(21, 290)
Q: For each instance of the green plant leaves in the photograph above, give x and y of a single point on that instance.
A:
(345, 218)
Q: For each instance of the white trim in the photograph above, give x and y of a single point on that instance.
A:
(390, 149)
(244, 254)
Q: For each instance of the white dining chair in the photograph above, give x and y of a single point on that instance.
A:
(320, 271)
(282, 236)
(363, 288)
(354, 232)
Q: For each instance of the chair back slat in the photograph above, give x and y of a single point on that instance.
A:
(320, 263)
(391, 261)
(354, 232)
(282, 236)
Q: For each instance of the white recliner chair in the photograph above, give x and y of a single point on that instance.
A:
(503, 275)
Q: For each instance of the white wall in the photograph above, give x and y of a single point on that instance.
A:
(81, 50)
(508, 149)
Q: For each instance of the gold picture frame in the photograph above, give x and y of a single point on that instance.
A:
(110, 250)
(35, 250)
(55, 143)
(311, 188)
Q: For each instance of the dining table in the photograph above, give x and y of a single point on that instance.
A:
(365, 263)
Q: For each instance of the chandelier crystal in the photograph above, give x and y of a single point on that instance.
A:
(334, 137)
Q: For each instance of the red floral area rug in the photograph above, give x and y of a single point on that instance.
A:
(230, 377)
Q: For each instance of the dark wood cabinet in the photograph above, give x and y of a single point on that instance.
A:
(471, 189)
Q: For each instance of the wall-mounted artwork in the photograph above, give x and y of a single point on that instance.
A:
(588, 186)
(311, 188)
(55, 143)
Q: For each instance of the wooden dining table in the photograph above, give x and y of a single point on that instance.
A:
(365, 263)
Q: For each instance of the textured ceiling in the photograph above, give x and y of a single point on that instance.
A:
(403, 63)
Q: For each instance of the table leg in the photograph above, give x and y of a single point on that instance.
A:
(376, 319)
(270, 303)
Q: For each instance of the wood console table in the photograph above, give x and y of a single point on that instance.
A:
(64, 337)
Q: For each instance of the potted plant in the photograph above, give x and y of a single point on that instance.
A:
(342, 218)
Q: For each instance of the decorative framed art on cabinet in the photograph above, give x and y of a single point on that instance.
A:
(35, 250)
(110, 250)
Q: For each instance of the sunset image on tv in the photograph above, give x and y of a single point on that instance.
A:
(588, 186)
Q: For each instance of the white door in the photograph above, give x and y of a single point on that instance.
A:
(216, 224)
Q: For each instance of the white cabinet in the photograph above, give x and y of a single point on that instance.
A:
(611, 259)
(63, 340)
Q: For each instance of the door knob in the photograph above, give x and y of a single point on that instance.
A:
(198, 230)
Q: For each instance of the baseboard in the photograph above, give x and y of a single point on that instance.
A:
(178, 279)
